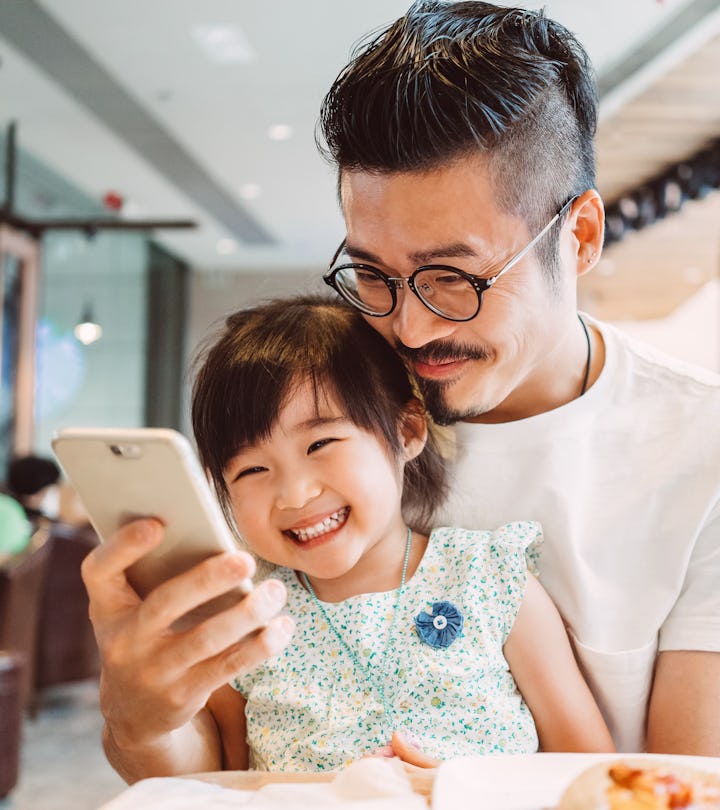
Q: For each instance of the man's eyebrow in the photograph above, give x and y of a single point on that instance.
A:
(454, 250)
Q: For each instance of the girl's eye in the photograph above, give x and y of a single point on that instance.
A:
(319, 444)
(249, 471)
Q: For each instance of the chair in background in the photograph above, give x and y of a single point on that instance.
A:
(66, 648)
(45, 633)
(11, 666)
(22, 580)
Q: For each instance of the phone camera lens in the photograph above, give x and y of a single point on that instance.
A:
(116, 450)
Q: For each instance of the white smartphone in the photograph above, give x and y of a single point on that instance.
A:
(123, 474)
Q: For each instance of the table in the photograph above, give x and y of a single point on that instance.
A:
(422, 781)
(503, 782)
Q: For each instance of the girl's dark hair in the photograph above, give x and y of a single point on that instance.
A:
(265, 352)
(448, 80)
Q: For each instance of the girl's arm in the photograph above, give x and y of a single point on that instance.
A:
(544, 667)
(227, 707)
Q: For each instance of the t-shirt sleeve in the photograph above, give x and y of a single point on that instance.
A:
(694, 621)
(502, 570)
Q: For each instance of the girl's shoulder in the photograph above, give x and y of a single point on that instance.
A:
(486, 570)
(520, 538)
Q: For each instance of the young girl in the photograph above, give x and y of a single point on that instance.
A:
(308, 424)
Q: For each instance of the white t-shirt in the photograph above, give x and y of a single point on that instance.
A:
(625, 481)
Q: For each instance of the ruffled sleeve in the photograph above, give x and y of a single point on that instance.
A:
(501, 567)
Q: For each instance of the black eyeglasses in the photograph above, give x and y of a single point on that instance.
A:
(447, 291)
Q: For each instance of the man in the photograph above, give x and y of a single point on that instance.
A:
(463, 135)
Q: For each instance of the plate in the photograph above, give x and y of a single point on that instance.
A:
(526, 781)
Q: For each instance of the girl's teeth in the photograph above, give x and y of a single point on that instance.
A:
(330, 522)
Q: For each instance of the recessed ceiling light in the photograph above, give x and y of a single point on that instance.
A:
(250, 191)
(226, 246)
(280, 132)
(224, 44)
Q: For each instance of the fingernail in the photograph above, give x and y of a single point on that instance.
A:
(287, 625)
(281, 630)
(275, 591)
(239, 563)
(148, 529)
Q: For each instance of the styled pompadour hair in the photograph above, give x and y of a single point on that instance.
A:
(450, 80)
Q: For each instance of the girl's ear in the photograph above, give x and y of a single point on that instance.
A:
(413, 429)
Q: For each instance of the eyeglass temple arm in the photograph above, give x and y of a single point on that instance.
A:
(336, 254)
(515, 259)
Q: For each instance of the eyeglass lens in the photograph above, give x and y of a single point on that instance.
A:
(441, 289)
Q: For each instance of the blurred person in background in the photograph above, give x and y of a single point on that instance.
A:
(35, 482)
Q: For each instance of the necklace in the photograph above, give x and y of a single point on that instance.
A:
(589, 355)
(365, 668)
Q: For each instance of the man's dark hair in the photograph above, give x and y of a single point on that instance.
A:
(449, 80)
(263, 354)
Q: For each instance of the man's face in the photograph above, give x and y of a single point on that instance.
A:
(497, 366)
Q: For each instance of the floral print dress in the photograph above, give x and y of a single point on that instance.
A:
(445, 679)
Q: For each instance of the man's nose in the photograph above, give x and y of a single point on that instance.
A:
(413, 324)
(296, 489)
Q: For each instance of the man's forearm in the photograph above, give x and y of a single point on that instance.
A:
(685, 704)
(191, 749)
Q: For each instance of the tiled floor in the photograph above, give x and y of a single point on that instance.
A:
(63, 766)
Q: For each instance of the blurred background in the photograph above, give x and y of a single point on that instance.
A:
(158, 169)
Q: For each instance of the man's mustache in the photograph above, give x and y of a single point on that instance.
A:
(440, 351)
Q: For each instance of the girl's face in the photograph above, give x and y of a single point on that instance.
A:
(322, 496)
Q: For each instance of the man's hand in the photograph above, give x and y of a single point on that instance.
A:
(156, 680)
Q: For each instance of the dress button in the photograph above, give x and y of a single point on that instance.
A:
(440, 622)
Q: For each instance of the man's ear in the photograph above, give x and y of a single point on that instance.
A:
(588, 225)
(414, 429)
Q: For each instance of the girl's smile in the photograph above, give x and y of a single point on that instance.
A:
(322, 530)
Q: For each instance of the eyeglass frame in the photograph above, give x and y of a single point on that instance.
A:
(393, 283)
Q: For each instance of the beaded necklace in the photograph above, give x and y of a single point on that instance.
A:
(365, 669)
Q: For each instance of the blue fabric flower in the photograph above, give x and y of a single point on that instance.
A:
(441, 627)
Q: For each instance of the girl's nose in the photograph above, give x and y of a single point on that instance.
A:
(296, 490)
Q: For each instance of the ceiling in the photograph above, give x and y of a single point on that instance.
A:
(124, 97)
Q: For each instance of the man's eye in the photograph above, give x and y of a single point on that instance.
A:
(449, 279)
(319, 444)
(368, 279)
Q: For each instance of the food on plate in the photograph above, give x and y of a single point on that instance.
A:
(643, 784)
